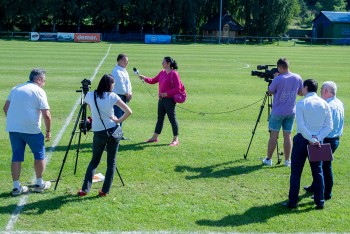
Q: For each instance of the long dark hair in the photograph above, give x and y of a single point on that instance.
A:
(105, 85)
(173, 64)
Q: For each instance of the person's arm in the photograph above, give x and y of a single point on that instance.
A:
(149, 80)
(47, 120)
(125, 108)
(6, 106)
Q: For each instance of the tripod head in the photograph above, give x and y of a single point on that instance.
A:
(85, 123)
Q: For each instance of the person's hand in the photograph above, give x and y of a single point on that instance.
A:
(128, 97)
(114, 118)
(48, 136)
(142, 77)
(315, 141)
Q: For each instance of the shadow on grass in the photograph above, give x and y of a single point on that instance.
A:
(124, 146)
(259, 214)
(39, 207)
(216, 171)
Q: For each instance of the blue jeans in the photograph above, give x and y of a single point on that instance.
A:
(299, 155)
(100, 142)
(327, 169)
(117, 111)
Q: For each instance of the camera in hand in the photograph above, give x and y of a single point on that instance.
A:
(267, 75)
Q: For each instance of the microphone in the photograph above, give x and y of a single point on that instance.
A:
(135, 71)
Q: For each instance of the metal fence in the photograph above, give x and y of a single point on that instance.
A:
(190, 39)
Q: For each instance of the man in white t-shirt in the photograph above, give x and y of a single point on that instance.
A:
(25, 106)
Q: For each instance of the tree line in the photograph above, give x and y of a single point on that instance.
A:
(258, 17)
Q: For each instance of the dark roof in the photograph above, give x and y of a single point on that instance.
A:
(335, 17)
(213, 24)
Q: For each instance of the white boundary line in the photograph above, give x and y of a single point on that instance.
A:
(23, 199)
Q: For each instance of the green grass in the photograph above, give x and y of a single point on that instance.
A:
(203, 185)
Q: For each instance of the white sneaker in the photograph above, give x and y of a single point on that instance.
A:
(287, 163)
(22, 190)
(39, 189)
(267, 161)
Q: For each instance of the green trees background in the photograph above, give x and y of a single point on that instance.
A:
(259, 17)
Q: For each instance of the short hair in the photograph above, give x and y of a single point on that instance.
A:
(121, 56)
(311, 85)
(36, 73)
(283, 62)
(331, 86)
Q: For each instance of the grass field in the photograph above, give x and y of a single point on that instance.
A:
(204, 184)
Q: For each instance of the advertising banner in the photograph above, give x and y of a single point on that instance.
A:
(34, 36)
(87, 37)
(157, 39)
(65, 36)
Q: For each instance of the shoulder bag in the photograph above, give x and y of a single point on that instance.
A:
(181, 96)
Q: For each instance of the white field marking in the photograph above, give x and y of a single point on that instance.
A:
(23, 199)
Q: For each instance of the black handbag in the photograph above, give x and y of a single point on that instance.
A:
(115, 132)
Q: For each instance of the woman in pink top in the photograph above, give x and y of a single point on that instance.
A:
(169, 85)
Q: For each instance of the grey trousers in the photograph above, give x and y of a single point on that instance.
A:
(100, 142)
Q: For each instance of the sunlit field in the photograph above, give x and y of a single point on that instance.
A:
(204, 184)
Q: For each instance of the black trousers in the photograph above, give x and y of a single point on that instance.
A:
(167, 106)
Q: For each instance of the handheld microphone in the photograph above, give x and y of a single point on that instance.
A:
(135, 71)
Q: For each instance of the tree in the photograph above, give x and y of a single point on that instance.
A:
(331, 5)
(267, 18)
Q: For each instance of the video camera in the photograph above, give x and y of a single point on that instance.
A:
(268, 75)
(86, 86)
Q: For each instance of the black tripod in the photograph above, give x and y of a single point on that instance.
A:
(268, 98)
(84, 127)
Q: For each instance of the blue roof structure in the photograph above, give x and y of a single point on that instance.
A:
(339, 17)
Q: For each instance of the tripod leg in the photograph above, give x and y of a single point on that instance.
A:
(68, 147)
(256, 124)
(77, 154)
(120, 177)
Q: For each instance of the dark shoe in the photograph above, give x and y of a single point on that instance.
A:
(308, 189)
(102, 194)
(82, 193)
(287, 204)
(319, 207)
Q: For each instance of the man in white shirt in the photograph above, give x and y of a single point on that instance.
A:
(24, 107)
(122, 83)
(328, 93)
(314, 123)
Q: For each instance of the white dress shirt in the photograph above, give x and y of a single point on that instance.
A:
(313, 117)
(122, 82)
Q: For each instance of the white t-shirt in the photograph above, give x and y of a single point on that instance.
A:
(106, 109)
(24, 113)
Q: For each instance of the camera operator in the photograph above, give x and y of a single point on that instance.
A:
(284, 87)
